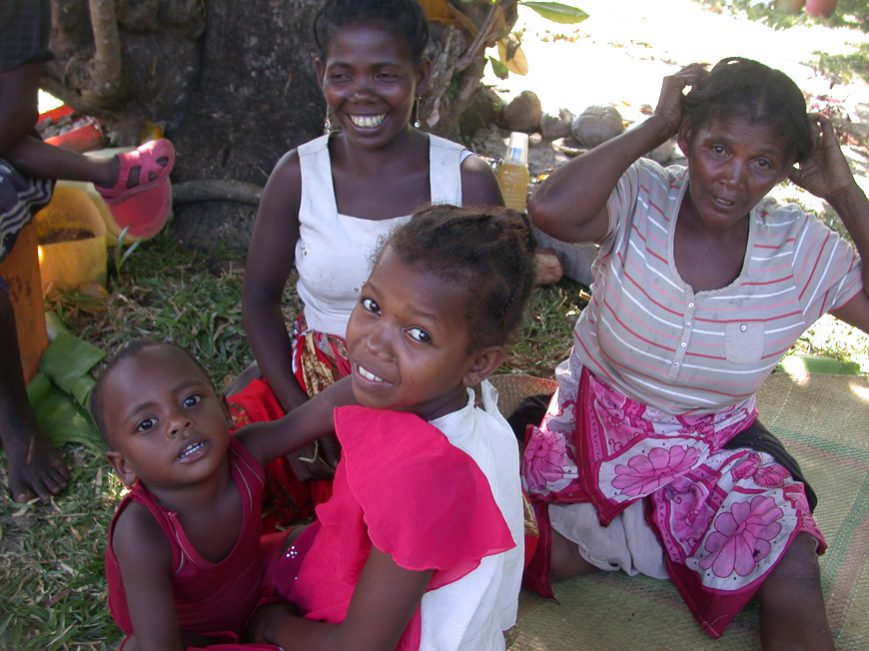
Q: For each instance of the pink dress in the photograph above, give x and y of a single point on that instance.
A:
(211, 599)
(404, 488)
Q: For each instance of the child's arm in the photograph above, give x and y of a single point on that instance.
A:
(146, 567)
(571, 204)
(383, 603)
(304, 424)
(269, 263)
(479, 185)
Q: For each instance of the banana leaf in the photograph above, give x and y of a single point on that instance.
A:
(65, 421)
(60, 392)
(69, 359)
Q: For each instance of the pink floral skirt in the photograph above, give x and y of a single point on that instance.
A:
(724, 517)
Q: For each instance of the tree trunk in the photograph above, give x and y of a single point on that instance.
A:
(231, 83)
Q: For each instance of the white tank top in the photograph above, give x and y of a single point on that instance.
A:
(334, 253)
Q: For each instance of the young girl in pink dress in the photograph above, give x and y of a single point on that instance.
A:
(185, 560)
(328, 205)
(651, 458)
(420, 545)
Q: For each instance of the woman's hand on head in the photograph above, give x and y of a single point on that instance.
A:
(826, 173)
(669, 108)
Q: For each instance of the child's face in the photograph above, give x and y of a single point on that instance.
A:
(370, 82)
(164, 421)
(732, 164)
(408, 339)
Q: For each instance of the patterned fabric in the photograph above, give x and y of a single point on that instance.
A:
(24, 29)
(649, 335)
(724, 517)
(20, 198)
(319, 359)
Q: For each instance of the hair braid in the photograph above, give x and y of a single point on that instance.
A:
(491, 250)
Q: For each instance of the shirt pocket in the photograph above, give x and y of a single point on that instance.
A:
(743, 342)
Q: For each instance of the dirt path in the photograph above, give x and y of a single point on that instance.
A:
(619, 55)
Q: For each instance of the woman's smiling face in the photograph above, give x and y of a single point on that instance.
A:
(370, 83)
(732, 164)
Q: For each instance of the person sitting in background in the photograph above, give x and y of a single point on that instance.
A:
(28, 170)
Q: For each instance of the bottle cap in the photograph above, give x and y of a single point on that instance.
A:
(517, 149)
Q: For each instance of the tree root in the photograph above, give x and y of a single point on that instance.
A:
(216, 190)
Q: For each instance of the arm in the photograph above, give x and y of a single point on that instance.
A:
(828, 176)
(18, 104)
(571, 204)
(303, 425)
(146, 566)
(269, 263)
(383, 603)
(479, 185)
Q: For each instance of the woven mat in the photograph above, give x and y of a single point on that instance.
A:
(824, 422)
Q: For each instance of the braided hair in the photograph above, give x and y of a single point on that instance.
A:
(403, 19)
(746, 88)
(490, 250)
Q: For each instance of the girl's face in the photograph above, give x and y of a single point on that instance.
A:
(370, 83)
(166, 425)
(408, 340)
(732, 164)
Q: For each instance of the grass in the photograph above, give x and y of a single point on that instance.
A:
(850, 14)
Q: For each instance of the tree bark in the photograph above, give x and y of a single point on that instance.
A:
(231, 83)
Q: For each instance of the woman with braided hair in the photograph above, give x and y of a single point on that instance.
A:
(651, 458)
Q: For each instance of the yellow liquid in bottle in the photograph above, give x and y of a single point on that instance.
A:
(513, 179)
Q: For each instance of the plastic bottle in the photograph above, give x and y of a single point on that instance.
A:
(512, 173)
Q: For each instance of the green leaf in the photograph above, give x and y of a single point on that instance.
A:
(557, 12)
(38, 388)
(66, 422)
(67, 359)
(501, 71)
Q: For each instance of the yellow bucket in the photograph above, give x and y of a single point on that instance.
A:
(71, 234)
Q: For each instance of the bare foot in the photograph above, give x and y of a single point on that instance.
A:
(35, 468)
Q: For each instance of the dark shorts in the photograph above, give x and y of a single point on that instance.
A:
(20, 198)
(24, 29)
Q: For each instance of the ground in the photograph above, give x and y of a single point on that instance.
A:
(620, 54)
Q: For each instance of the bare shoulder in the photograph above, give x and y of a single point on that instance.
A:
(137, 537)
(287, 171)
(279, 207)
(479, 186)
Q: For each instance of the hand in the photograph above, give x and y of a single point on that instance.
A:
(826, 173)
(258, 626)
(669, 107)
(315, 461)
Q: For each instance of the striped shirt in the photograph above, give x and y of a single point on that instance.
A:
(652, 337)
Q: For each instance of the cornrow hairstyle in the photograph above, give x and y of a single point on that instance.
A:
(97, 408)
(490, 250)
(404, 19)
(749, 89)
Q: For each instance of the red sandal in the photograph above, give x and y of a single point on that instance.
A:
(151, 172)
